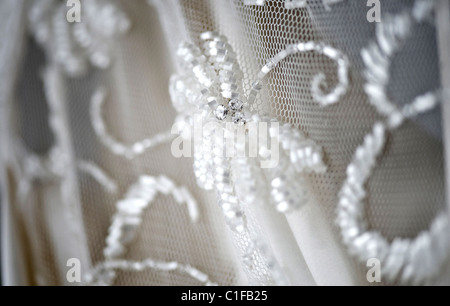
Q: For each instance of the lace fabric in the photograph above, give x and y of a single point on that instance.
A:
(75, 146)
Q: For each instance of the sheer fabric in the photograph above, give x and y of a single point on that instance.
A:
(79, 143)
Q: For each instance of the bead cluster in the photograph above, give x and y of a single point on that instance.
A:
(223, 59)
(214, 75)
(203, 160)
(210, 85)
(188, 96)
(288, 195)
(298, 155)
(226, 197)
(304, 154)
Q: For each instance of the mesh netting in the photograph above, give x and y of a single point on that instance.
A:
(404, 194)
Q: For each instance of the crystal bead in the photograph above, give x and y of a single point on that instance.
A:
(221, 112)
(235, 104)
(238, 118)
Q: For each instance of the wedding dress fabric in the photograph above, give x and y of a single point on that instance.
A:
(88, 171)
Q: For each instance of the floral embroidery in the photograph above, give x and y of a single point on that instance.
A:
(210, 87)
